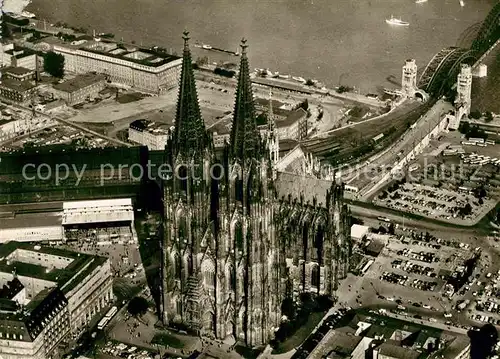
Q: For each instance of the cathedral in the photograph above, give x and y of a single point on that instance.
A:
(239, 241)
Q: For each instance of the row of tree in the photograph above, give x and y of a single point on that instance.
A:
(476, 115)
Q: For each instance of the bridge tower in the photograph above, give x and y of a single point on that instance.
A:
(463, 99)
(409, 78)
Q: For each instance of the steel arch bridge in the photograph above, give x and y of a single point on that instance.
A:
(489, 32)
(469, 35)
(444, 67)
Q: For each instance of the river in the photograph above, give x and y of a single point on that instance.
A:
(334, 41)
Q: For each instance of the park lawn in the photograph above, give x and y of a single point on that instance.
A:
(297, 338)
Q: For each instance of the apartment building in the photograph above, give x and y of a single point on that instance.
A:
(49, 297)
(141, 69)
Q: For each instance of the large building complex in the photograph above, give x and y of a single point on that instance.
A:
(240, 241)
(142, 69)
(108, 220)
(49, 297)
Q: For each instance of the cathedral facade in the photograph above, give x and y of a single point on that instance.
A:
(239, 237)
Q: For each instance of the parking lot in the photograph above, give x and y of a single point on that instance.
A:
(435, 202)
(485, 308)
(451, 181)
(414, 270)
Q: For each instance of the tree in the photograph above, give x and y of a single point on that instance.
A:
(309, 82)
(466, 210)
(54, 64)
(464, 128)
(36, 35)
(138, 306)
(288, 308)
(343, 89)
(475, 114)
(488, 116)
(392, 229)
(200, 61)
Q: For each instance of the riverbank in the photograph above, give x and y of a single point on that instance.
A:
(357, 49)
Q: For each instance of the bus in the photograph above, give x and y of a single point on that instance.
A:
(109, 315)
(103, 322)
(385, 219)
(367, 266)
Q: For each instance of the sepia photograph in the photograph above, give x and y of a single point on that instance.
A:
(249, 179)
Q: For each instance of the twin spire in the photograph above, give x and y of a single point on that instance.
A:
(245, 137)
(190, 134)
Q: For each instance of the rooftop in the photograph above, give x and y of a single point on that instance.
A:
(32, 221)
(282, 85)
(26, 325)
(287, 145)
(19, 86)
(79, 264)
(17, 70)
(98, 203)
(156, 128)
(308, 187)
(395, 351)
(279, 108)
(359, 231)
(143, 56)
(20, 52)
(80, 82)
(342, 343)
(293, 117)
(11, 289)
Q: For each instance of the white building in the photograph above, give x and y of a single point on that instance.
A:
(150, 134)
(98, 211)
(358, 232)
(40, 228)
(293, 127)
(64, 291)
(141, 69)
(11, 55)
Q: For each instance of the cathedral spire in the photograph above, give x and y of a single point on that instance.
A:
(270, 115)
(245, 137)
(190, 133)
